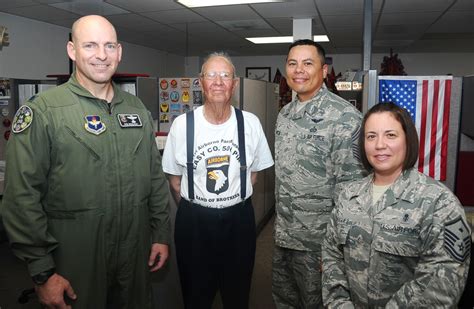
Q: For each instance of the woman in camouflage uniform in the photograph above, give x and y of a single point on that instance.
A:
(397, 238)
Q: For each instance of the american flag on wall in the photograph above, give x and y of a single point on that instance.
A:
(427, 99)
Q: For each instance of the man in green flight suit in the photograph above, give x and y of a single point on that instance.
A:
(85, 202)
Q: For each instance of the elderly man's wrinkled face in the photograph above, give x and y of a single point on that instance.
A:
(217, 81)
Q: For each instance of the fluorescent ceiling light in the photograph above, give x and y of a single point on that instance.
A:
(202, 3)
(271, 39)
(284, 39)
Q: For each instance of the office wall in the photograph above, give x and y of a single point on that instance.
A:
(458, 64)
(38, 48)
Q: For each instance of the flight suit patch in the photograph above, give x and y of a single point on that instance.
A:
(94, 125)
(23, 119)
(129, 120)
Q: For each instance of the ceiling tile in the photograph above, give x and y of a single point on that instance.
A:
(207, 29)
(343, 21)
(294, 9)
(397, 30)
(340, 34)
(242, 25)
(174, 16)
(283, 25)
(340, 7)
(50, 1)
(457, 21)
(416, 6)
(409, 18)
(161, 24)
(89, 8)
(228, 12)
(463, 5)
(257, 33)
(135, 22)
(41, 12)
(145, 5)
(5, 4)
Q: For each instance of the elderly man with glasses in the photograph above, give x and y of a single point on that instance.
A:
(212, 157)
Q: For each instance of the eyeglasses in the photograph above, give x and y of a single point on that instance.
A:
(213, 75)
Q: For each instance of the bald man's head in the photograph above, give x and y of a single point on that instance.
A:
(95, 50)
(90, 22)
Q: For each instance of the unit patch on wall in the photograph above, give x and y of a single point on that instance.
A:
(4, 39)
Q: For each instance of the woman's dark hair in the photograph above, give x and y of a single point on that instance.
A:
(411, 136)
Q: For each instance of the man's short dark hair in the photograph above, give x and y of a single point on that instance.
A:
(319, 48)
(411, 137)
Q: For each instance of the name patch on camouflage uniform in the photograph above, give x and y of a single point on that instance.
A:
(129, 120)
(457, 239)
(94, 125)
(23, 119)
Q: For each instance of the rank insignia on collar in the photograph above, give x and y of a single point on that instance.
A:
(23, 119)
(129, 120)
(94, 125)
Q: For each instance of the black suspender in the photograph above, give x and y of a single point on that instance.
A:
(243, 158)
(190, 150)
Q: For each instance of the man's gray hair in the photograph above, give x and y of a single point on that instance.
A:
(220, 54)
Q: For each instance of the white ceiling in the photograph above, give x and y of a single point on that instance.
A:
(404, 25)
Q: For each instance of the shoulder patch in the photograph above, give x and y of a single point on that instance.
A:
(23, 119)
(457, 239)
(355, 144)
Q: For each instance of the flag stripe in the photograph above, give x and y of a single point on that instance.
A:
(444, 141)
(434, 129)
(423, 114)
(427, 99)
(441, 129)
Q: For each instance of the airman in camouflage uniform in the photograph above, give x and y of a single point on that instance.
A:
(315, 149)
(410, 249)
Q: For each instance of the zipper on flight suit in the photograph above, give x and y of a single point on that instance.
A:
(116, 162)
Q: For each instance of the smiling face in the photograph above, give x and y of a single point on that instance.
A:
(216, 88)
(95, 51)
(305, 71)
(385, 146)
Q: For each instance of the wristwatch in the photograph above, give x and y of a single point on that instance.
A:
(43, 276)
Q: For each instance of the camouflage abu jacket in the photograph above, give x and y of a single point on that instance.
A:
(411, 249)
(315, 149)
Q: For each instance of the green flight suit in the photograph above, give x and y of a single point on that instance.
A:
(88, 203)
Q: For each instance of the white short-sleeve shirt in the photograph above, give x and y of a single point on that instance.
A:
(216, 157)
